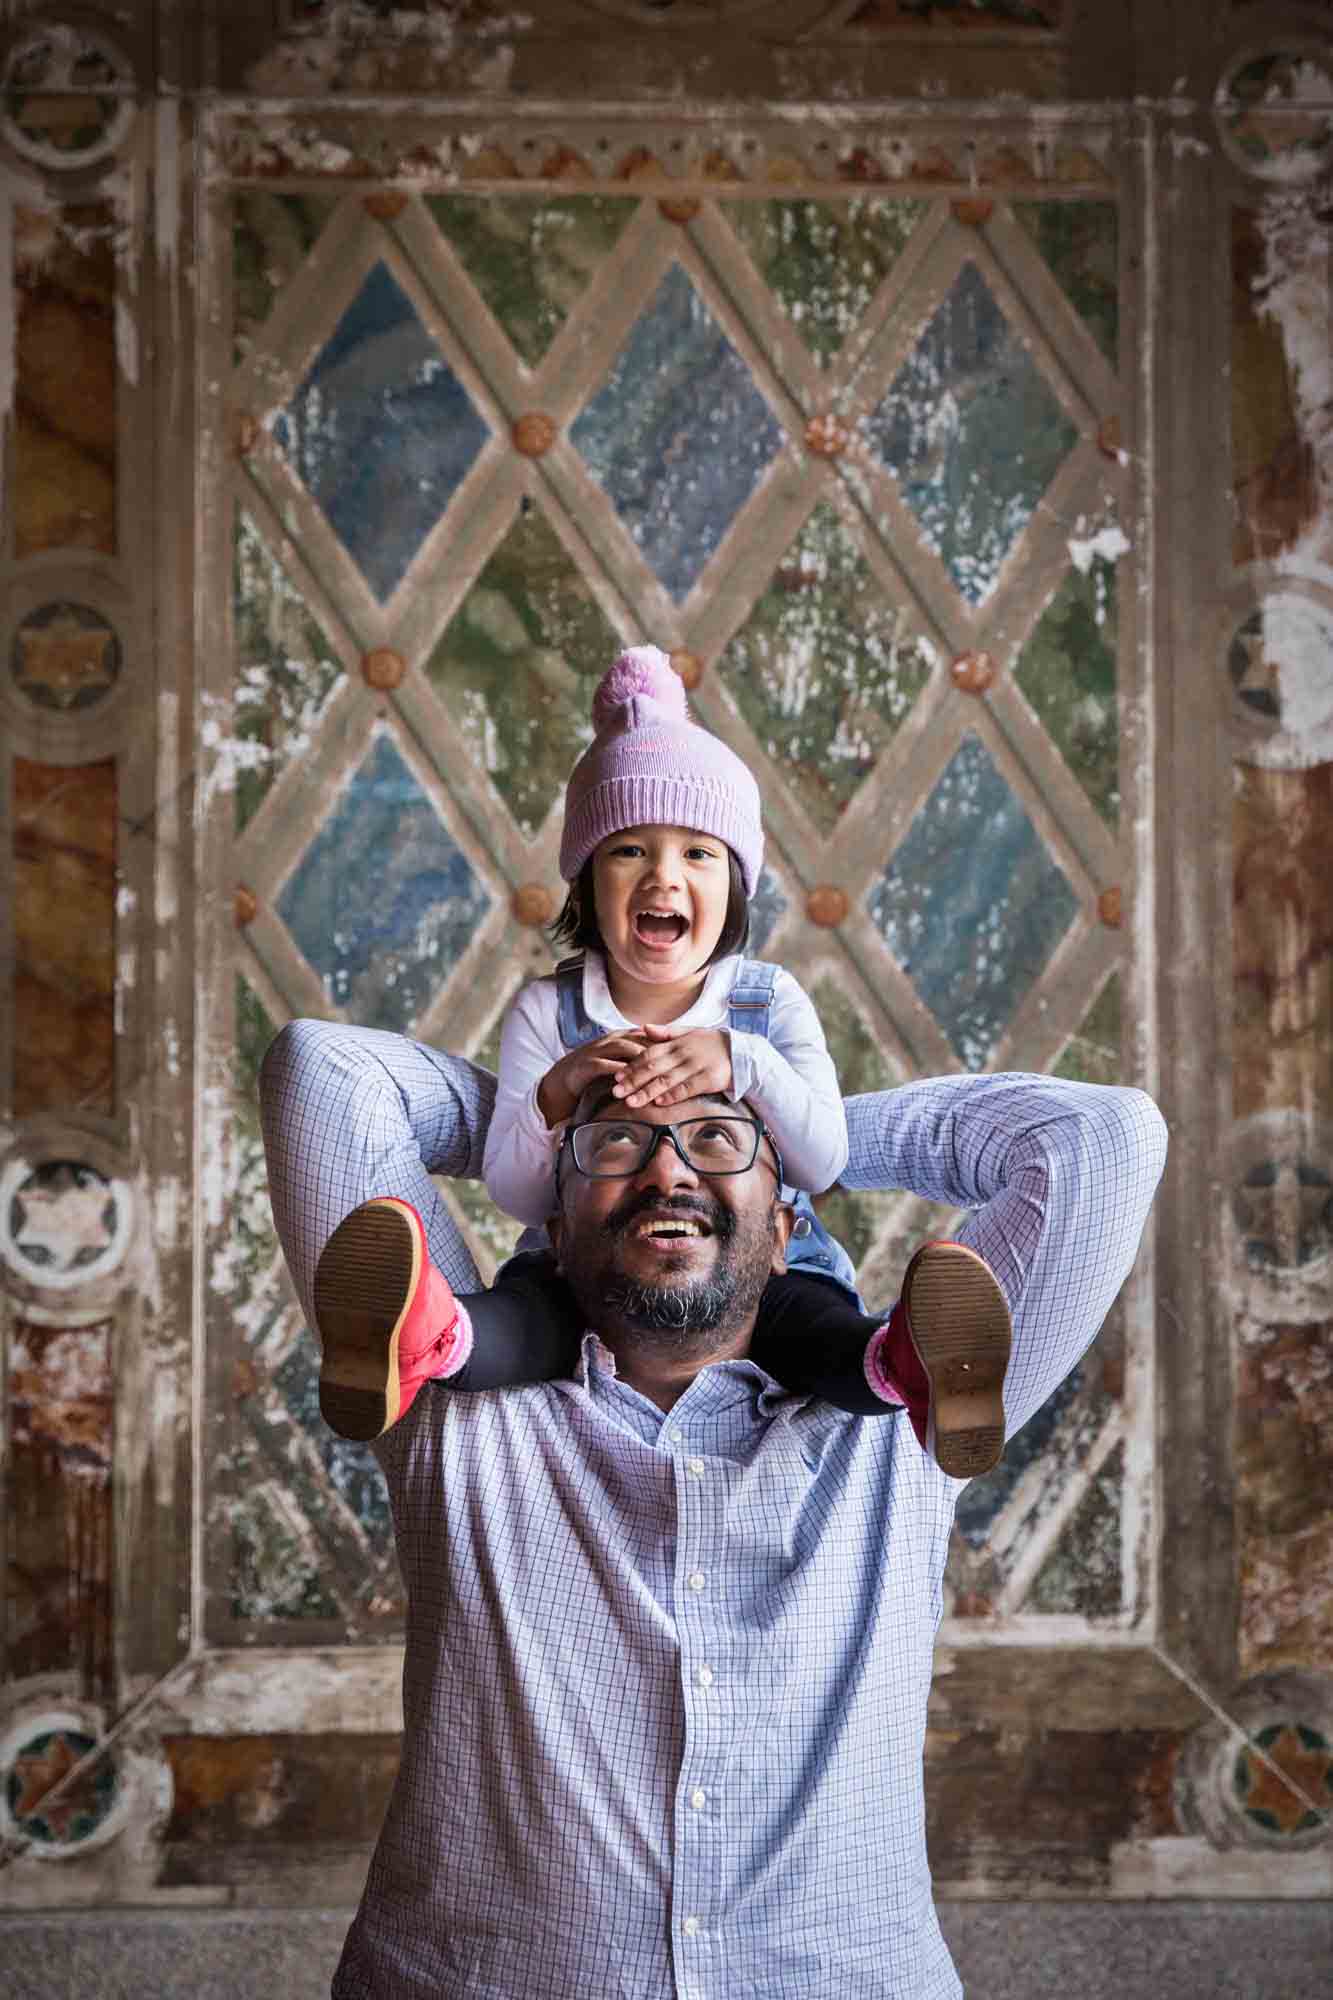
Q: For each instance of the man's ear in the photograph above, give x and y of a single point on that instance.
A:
(784, 1220)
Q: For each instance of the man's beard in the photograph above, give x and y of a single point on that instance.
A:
(687, 1318)
(682, 1318)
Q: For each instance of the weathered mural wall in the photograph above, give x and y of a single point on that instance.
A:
(947, 388)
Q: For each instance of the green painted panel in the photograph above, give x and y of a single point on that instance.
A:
(825, 668)
(854, 1218)
(1093, 1054)
(1080, 240)
(531, 257)
(285, 672)
(824, 260)
(517, 664)
(272, 234)
(1067, 670)
(1082, 1572)
(252, 1244)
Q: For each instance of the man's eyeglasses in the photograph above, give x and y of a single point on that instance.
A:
(615, 1149)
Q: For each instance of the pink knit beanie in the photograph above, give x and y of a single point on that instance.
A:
(649, 765)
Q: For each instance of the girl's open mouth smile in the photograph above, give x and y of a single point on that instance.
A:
(660, 927)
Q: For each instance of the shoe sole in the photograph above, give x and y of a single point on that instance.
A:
(365, 1280)
(959, 1325)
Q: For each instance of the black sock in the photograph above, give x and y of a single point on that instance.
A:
(525, 1329)
(811, 1337)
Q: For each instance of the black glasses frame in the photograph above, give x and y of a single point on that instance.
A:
(569, 1141)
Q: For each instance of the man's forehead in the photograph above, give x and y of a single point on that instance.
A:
(597, 1102)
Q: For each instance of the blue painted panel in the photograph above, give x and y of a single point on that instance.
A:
(381, 431)
(678, 436)
(384, 903)
(972, 433)
(972, 905)
(768, 906)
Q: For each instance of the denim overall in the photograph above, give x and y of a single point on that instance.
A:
(811, 1248)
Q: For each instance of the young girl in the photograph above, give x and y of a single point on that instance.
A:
(662, 847)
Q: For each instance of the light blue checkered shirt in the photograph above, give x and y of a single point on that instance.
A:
(666, 1675)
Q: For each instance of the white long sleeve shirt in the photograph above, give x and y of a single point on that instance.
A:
(789, 1079)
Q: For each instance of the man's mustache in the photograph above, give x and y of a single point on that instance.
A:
(720, 1220)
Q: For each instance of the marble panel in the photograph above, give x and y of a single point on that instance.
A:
(1080, 241)
(1283, 939)
(678, 436)
(381, 431)
(824, 260)
(275, 1789)
(383, 903)
(532, 257)
(1010, 1809)
(517, 664)
(972, 904)
(973, 434)
(64, 922)
(825, 668)
(63, 479)
(1284, 1463)
(1067, 670)
(1276, 493)
(285, 672)
(58, 1591)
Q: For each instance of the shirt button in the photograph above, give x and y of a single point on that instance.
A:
(695, 1467)
(704, 1675)
(696, 1579)
(698, 1798)
(675, 1433)
(691, 1927)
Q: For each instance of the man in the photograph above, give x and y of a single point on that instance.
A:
(670, 1630)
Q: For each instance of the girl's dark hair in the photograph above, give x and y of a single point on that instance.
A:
(576, 928)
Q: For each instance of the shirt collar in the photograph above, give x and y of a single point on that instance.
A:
(708, 1008)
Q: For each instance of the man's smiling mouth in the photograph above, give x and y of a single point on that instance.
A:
(670, 1225)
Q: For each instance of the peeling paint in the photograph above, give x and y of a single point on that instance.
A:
(1292, 290)
(358, 47)
(1108, 544)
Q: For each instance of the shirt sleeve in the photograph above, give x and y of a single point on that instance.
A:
(1059, 1178)
(519, 1166)
(791, 1082)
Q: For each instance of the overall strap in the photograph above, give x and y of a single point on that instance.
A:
(751, 999)
(572, 1018)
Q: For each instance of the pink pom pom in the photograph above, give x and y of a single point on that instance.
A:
(640, 670)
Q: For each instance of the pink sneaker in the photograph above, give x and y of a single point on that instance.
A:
(943, 1352)
(388, 1320)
